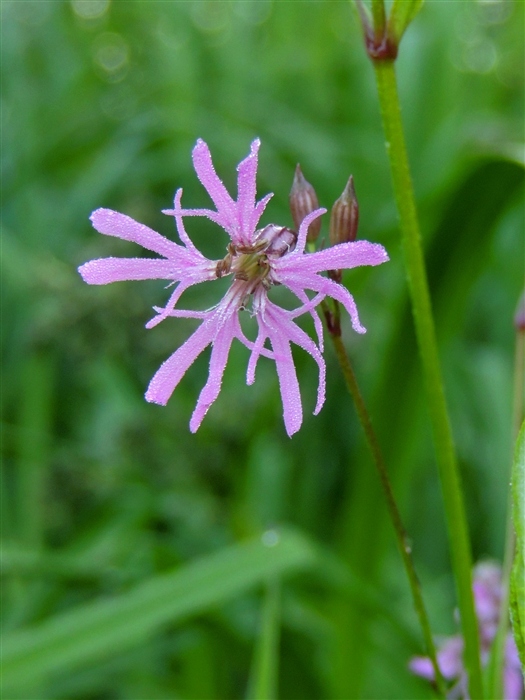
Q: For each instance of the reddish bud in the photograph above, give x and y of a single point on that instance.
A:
(344, 217)
(303, 200)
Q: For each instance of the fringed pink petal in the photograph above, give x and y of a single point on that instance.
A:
(252, 346)
(175, 367)
(107, 270)
(329, 288)
(178, 212)
(180, 224)
(288, 384)
(303, 230)
(258, 211)
(214, 216)
(247, 186)
(282, 320)
(203, 165)
(219, 357)
(111, 223)
(163, 313)
(309, 307)
(257, 351)
(183, 313)
(340, 257)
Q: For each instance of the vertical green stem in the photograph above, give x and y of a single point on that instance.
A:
(264, 677)
(378, 17)
(425, 331)
(497, 660)
(401, 535)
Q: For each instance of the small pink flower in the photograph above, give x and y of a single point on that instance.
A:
(487, 590)
(257, 259)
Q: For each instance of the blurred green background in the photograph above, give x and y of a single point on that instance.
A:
(141, 561)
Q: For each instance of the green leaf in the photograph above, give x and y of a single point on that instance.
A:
(401, 14)
(517, 579)
(94, 631)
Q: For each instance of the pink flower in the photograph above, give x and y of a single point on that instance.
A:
(487, 589)
(257, 259)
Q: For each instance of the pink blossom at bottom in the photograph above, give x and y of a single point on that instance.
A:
(487, 589)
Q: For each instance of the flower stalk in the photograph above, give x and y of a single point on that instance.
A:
(425, 331)
(402, 538)
(496, 668)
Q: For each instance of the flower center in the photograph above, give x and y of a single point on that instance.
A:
(252, 263)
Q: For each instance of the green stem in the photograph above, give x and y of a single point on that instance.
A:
(497, 660)
(264, 677)
(425, 331)
(401, 535)
(378, 17)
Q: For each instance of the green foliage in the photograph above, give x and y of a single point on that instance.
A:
(517, 581)
(402, 13)
(107, 498)
(88, 633)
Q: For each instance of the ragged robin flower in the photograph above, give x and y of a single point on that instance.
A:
(487, 590)
(256, 260)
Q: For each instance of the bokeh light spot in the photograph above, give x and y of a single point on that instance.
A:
(111, 54)
(270, 538)
(90, 9)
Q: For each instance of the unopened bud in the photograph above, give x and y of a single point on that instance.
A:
(519, 316)
(344, 217)
(303, 201)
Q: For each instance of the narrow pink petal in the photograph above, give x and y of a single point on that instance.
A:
(175, 367)
(252, 346)
(180, 224)
(260, 301)
(214, 216)
(327, 287)
(309, 306)
(111, 223)
(246, 185)
(172, 301)
(258, 211)
(339, 257)
(282, 319)
(303, 230)
(106, 270)
(182, 313)
(288, 384)
(218, 360)
(255, 354)
(206, 173)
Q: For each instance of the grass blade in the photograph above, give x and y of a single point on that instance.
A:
(264, 678)
(517, 580)
(97, 630)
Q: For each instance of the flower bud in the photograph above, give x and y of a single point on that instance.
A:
(303, 200)
(344, 217)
